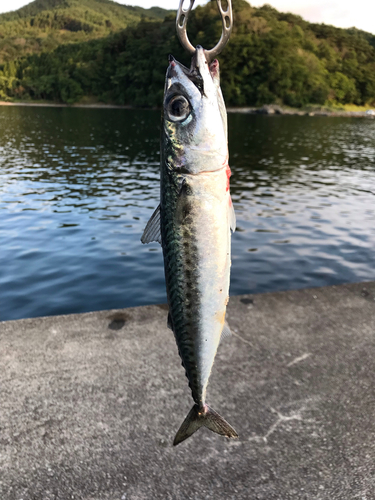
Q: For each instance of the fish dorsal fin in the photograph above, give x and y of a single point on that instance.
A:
(232, 217)
(152, 230)
(226, 332)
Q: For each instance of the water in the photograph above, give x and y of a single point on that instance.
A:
(77, 187)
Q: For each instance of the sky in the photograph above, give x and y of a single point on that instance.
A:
(341, 13)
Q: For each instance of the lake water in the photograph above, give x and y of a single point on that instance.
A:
(77, 187)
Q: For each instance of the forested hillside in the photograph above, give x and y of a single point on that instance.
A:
(272, 57)
(43, 25)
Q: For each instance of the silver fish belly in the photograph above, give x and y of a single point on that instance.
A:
(193, 224)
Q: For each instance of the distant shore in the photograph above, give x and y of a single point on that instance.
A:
(58, 105)
(273, 109)
(270, 109)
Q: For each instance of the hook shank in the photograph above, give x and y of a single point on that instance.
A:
(181, 26)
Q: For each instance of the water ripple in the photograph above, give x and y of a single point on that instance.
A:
(77, 187)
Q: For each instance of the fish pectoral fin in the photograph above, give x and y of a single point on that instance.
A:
(203, 417)
(152, 230)
(226, 332)
(232, 218)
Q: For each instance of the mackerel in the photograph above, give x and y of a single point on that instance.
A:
(193, 223)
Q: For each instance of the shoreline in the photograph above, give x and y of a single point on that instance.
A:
(61, 105)
(263, 110)
(270, 109)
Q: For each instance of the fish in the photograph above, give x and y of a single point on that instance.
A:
(193, 224)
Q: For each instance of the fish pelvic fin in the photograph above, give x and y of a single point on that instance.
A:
(203, 417)
(152, 230)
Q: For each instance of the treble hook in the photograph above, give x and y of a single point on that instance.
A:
(181, 25)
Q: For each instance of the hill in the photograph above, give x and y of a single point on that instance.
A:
(43, 25)
(272, 57)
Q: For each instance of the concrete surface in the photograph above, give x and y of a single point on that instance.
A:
(90, 404)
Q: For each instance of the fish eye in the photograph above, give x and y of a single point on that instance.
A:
(178, 108)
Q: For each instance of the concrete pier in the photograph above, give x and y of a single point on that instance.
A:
(90, 403)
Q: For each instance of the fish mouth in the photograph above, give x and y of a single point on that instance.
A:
(193, 73)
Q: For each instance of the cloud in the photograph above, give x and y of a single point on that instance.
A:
(343, 14)
(9, 5)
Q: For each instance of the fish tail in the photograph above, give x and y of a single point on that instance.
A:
(203, 417)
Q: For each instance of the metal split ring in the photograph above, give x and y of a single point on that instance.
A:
(181, 25)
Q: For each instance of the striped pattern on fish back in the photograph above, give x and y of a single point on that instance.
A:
(180, 256)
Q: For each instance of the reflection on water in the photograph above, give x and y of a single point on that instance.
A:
(77, 187)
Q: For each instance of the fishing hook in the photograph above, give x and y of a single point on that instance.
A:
(181, 25)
